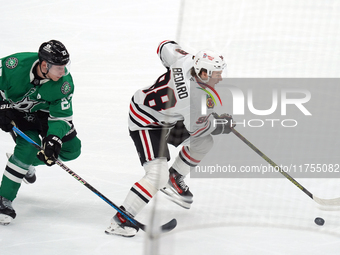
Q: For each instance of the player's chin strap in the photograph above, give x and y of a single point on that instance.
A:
(164, 228)
(48, 68)
(331, 202)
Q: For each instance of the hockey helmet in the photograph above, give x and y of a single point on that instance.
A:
(54, 53)
(210, 61)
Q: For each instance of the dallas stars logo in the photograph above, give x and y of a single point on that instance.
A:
(29, 117)
(25, 105)
(12, 63)
(65, 88)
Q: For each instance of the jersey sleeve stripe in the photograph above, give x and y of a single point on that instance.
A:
(161, 45)
(159, 49)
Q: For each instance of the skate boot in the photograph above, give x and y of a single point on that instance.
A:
(30, 176)
(177, 190)
(7, 213)
(121, 226)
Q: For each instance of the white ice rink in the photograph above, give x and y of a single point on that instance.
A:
(113, 52)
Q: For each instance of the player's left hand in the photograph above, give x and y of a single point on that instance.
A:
(230, 123)
(51, 149)
(6, 116)
(224, 127)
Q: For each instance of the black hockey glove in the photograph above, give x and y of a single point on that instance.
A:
(51, 149)
(6, 116)
(223, 123)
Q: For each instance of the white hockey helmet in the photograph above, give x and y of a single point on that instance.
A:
(209, 60)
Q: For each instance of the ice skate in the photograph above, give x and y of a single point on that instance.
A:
(30, 176)
(121, 226)
(177, 191)
(7, 213)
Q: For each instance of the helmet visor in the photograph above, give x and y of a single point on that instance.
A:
(59, 70)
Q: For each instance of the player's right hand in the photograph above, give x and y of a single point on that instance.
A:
(51, 149)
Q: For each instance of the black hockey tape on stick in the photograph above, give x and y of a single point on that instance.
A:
(165, 227)
(332, 202)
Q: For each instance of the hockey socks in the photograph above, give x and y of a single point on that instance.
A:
(139, 196)
(12, 178)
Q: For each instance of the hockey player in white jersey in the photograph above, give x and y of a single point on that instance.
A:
(169, 112)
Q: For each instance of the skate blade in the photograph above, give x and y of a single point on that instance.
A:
(116, 234)
(171, 191)
(176, 198)
(5, 219)
(120, 233)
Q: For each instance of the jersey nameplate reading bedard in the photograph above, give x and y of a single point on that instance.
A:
(179, 82)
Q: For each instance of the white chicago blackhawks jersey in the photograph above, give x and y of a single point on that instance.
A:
(170, 98)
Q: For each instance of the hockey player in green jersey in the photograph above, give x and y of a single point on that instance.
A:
(36, 96)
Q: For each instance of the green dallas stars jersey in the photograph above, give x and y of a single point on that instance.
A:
(47, 95)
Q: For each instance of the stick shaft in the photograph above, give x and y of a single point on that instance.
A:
(272, 163)
(81, 180)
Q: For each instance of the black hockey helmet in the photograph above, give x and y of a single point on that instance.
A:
(53, 52)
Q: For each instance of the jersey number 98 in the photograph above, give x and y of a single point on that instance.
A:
(159, 96)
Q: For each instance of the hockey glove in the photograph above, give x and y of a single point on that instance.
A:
(51, 149)
(6, 116)
(223, 123)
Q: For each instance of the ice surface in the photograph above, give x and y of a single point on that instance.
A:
(113, 51)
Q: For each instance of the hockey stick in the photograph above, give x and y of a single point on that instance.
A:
(333, 201)
(165, 228)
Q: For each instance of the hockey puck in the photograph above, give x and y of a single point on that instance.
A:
(319, 221)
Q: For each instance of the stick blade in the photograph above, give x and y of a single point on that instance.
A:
(169, 226)
(331, 201)
(163, 228)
